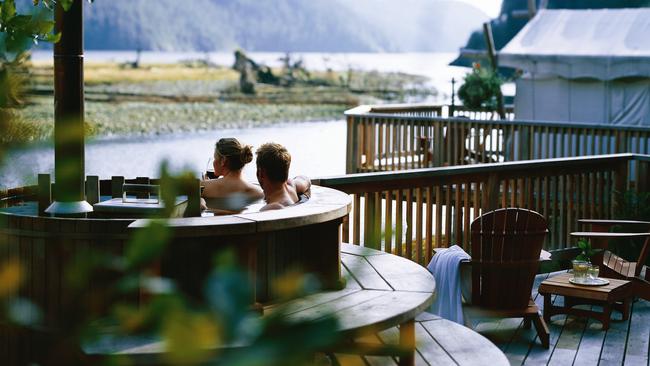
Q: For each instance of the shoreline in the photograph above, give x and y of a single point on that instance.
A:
(154, 100)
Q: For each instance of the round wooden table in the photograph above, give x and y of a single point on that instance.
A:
(382, 291)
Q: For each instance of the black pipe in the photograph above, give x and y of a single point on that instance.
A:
(69, 156)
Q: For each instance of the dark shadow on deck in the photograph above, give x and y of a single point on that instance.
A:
(574, 341)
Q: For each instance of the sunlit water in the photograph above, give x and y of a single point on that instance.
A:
(318, 148)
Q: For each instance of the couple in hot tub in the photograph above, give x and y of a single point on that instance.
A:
(233, 193)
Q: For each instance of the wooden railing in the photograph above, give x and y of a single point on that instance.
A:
(410, 212)
(384, 138)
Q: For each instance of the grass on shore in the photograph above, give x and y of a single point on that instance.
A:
(168, 98)
(36, 122)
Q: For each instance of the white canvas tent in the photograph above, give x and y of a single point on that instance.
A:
(583, 66)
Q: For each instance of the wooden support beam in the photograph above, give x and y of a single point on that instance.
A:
(532, 9)
(492, 53)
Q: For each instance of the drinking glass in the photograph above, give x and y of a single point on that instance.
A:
(592, 272)
(580, 269)
(209, 170)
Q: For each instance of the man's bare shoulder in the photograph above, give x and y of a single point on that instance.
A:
(254, 191)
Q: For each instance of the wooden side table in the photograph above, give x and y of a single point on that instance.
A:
(607, 296)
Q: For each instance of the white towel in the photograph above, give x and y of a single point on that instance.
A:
(445, 269)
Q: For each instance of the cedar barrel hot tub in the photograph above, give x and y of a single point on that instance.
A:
(305, 237)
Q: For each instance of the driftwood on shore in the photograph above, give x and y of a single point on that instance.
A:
(251, 72)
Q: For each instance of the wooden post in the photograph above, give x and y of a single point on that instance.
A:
(407, 342)
(92, 189)
(453, 97)
(492, 193)
(353, 146)
(532, 9)
(524, 142)
(69, 194)
(117, 184)
(193, 198)
(620, 185)
(44, 193)
(643, 184)
(492, 55)
(142, 180)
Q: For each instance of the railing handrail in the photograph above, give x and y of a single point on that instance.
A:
(411, 211)
(367, 111)
(450, 171)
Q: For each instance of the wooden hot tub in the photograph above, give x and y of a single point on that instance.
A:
(304, 237)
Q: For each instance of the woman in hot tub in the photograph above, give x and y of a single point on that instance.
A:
(230, 192)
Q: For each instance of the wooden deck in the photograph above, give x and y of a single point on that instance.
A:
(438, 342)
(574, 341)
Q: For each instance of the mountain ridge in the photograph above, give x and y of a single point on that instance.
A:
(280, 25)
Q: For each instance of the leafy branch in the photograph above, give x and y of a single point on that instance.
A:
(587, 251)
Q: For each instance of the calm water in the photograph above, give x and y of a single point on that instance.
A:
(318, 148)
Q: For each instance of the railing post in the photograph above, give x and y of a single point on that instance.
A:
(437, 143)
(620, 184)
(643, 183)
(524, 143)
(352, 146)
(491, 192)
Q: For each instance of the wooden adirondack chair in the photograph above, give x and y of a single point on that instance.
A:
(505, 249)
(613, 266)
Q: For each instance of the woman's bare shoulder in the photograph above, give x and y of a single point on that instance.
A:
(215, 188)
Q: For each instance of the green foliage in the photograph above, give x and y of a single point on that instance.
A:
(635, 206)
(632, 205)
(18, 32)
(587, 251)
(481, 89)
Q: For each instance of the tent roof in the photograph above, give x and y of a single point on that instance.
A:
(603, 44)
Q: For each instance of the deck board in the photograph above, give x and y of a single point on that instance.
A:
(636, 352)
(574, 341)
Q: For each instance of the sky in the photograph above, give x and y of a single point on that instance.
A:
(490, 7)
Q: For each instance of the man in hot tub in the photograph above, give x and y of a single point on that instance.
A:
(273, 161)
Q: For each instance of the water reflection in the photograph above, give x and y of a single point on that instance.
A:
(317, 149)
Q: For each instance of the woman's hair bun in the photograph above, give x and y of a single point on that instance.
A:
(246, 155)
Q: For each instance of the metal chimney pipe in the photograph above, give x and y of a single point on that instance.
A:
(69, 192)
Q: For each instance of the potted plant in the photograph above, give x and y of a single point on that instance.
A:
(481, 89)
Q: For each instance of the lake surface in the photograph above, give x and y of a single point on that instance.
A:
(317, 148)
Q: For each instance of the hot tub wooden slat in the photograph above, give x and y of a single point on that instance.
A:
(206, 226)
(297, 216)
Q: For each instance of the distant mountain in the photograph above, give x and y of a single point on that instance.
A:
(280, 25)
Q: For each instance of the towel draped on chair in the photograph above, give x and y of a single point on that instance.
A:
(445, 267)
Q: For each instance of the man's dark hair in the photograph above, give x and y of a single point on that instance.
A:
(275, 160)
